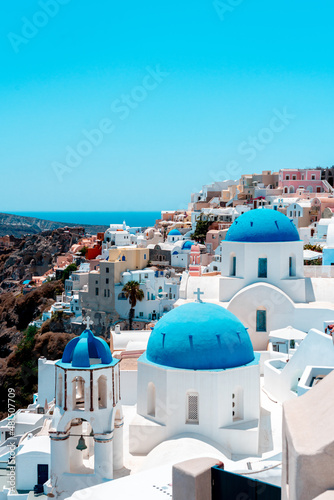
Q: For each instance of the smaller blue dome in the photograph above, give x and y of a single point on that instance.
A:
(80, 351)
(174, 232)
(262, 225)
(187, 245)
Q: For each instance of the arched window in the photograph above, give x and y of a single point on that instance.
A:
(102, 391)
(286, 189)
(291, 189)
(292, 265)
(151, 399)
(238, 404)
(60, 390)
(78, 393)
(233, 264)
(262, 267)
(261, 320)
(192, 408)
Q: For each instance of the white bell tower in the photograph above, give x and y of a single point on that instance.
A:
(87, 427)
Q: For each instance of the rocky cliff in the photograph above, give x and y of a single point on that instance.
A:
(19, 225)
(33, 256)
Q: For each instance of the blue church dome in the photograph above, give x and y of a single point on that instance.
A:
(86, 350)
(200, 336)
(187, 245)
(262, 225)
(174, 232)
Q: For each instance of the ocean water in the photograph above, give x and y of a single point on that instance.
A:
(142, 219)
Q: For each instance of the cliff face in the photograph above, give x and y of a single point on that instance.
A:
(21, 345)
(19, 225)
(33, 256)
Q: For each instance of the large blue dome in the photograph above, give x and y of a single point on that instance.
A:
(86, 350)
(200, 336)
(262, 225)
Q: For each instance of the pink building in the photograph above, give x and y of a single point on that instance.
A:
(213, 239)
(291, 180)
(195, 261)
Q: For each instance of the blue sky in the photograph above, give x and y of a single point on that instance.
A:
(225, 70)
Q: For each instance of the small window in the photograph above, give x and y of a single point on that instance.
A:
(107, 281)
(151, 399)
(287, 177)
(261, 320)
(96, 291)
(233, 265)
(144, 256)
(141, 314)
(292, 266)
(313, 177)
(192, 408)
(102, 391)
(107, 269)
(294, 178)
(262, 269)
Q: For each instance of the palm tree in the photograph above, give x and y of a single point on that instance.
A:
(133, 293)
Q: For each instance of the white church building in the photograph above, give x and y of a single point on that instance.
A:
(199, 376)
(86, 429)
(262, 278)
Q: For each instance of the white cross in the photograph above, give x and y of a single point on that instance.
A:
(88, 322)
(198, 293)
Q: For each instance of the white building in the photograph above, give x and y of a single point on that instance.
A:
(77, 279)
(160, 288)
(86, 429)
(118, 238)
(284, 379)
(262, 279)
(174, 235)
(33, 462)
(199, 376)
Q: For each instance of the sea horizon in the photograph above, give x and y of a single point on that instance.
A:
(132, 218)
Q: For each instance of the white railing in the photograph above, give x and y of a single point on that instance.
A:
(328, 186)
(319, 271)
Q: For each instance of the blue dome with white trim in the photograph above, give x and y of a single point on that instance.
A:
(174, 232)
(262, 225)
(200, 336)
(86, 350)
